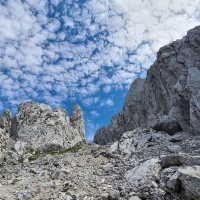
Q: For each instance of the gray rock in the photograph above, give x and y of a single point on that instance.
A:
(190, 180)
(5, 125)
(114, 195)
(174, 183)
(5, 120)
(60, 173)
(15, 180)
(171, 91)
(159, 194)
(144, 172)
(46, 130)
(179, 159)
(134, 198)
(103, 196)
(138, 139)
(164, 123)
(77, 120)
(174, 148)
(20, 147)
(107, 167)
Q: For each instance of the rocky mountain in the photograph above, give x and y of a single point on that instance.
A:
(169, 99)
(152, 149)
(39, 128)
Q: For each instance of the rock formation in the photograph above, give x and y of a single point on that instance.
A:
(77, 120)
(170, 93)
(42, 129)
(5, 124)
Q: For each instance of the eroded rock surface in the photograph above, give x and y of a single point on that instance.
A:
(43, 129)
(5, 125)
(170, 91)
(190, 179)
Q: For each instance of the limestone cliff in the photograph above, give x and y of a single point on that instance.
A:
(43, 129)
(5, 124)
(169, 98)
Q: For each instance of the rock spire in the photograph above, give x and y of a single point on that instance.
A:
(45, 129)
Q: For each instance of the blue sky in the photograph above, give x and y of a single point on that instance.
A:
(62, 52)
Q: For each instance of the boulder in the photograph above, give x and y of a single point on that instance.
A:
(179, 159)
(137, 140)
(190, 180)
(134, 198)
(144, 173)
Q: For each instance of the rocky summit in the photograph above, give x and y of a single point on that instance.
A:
(38, 127)
(149, 151)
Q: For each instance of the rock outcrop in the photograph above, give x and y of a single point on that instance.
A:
(5, 125)
(171, 92)
(42, 129)
(161, 164)
(77, 120)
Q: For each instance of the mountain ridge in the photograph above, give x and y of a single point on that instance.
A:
(171, 90)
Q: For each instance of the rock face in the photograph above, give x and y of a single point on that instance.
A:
(5, 124)
(77, 120)
(171, 91)
(43, 129)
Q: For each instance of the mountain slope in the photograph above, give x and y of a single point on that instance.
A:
(169, 97)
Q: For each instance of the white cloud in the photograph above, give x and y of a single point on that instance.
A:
(53, 25)
(87, 102)
(107, 88)
(61, 36)
(107, 102)
(95, 113)
(104, 44)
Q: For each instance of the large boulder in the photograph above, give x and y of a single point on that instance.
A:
(171, 90)
(46, 130)
(144, 173)
(138, 139)
(5, 124)
(190, 181)
(179, 159)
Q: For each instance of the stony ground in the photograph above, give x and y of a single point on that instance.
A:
(136, 167)
(87, 174)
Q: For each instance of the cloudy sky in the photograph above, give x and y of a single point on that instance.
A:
(62, 52)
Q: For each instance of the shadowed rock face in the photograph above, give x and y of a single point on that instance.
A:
(170, 91)
(47, 130)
